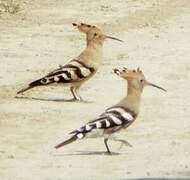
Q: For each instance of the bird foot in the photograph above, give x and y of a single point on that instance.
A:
(79, 100)
(110, 153)
(126, 143)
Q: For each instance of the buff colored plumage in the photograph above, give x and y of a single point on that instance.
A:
(117, 117)
(79, 69)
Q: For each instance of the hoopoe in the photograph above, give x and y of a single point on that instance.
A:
(117, 117)
(80, 69)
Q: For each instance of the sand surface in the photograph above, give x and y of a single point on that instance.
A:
(40, 37)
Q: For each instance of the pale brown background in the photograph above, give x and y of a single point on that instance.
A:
(40, 37)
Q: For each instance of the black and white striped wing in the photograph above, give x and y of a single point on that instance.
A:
(74, 71)
(112, 120)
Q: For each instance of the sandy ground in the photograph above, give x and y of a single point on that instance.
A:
(40, 37)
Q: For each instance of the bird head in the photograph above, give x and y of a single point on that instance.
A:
(93, 33)
(135, 78)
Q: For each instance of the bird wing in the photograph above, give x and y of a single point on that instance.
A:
(74, 71)
(112, 120)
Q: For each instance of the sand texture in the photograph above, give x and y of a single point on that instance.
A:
(40, 36)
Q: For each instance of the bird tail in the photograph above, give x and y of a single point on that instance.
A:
(30, 86)
(68, 141)
(25, 89)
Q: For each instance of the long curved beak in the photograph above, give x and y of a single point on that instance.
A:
(110, 37)
(151, 84)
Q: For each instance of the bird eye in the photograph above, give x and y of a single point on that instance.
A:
(95, 34)
(142, 80)
(88, 25)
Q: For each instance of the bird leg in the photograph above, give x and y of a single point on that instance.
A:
(123, 142)
(106, 144)
(76, 97)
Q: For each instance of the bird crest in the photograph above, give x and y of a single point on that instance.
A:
(127, 73)
(87, 28)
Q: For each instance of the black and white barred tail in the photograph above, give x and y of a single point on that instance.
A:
(31, 85)
(68, 141)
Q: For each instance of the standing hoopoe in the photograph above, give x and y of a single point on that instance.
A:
(80, 69)
(118, 117)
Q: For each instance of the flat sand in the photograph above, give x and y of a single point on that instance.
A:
(40, 37)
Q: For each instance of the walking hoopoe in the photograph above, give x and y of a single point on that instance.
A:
(80, 69)
(118, 117)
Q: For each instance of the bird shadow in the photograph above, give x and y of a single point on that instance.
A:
(90, 153)
(52, 99)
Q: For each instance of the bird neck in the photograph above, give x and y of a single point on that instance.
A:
(95, 44)
(132, 100)
(92, 54)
